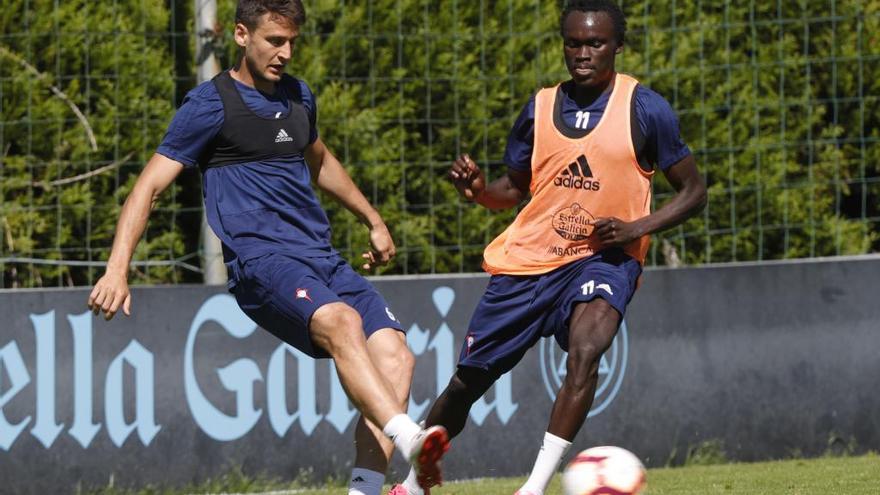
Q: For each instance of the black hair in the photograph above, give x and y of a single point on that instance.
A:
(248, 12)
(607, 6)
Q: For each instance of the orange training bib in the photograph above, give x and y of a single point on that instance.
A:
(575, 180)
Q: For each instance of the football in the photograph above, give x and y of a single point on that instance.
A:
(604, 471)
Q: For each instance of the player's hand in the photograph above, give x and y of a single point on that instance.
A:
(467, 177)
(382, 248)
(109, 294)
(614, 232)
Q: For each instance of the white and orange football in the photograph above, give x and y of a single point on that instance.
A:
(604, 471)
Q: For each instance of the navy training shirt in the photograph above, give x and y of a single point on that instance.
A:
(256, 207)
(657, 121)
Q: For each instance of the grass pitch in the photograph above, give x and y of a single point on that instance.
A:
(822, 476)
(825, 476)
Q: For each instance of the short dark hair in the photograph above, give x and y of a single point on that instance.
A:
(607, 6)
(248, 12)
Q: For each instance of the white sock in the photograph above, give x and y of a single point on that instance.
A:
(401, 430)
(412, 484)
(365, 482)
(552, 451)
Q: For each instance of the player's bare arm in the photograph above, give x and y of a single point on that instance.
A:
(111, 291)
(507, 191)
(689, 199)
(330, 176)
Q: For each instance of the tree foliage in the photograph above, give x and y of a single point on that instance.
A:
(778, 101)
(112, 63)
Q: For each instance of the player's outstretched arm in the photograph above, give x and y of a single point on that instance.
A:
(689, 199)
(330, 176)
(505, 192)
(111, 290)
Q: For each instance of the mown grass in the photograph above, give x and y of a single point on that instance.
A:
(823, 476)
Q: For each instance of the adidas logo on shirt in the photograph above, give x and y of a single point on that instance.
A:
(282, 137)
(577, 175)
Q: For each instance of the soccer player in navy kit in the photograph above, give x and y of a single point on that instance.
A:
(585, 152)
(252, 133)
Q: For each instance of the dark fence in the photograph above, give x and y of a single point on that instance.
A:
(763, 361)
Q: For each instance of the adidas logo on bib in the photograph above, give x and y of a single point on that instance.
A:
(577, 175)
(282, 137)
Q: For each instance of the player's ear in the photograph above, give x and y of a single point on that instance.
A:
(242, 35)
(619, 49)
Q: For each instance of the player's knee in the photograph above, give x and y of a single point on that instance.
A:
(336, 327)
(582, 365)
(585, 352)
(396, 360)
(467, 385)
(337, 317)
(406, 362)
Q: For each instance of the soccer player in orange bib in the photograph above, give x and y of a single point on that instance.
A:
(585, 151)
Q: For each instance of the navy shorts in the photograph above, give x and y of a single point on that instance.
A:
(281, 293)
(516, 311)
